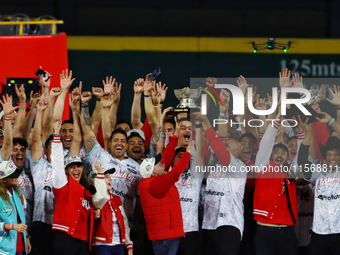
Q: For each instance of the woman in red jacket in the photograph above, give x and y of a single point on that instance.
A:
(73, 214)
(111, 230)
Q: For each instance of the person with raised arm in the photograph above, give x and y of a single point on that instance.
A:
(73, 214)
(160, 202)
(111, 230)
(223, 207)
(325, 238)
(41, 169)
(275, 203)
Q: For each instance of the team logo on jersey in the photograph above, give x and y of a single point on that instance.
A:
(6, 210)
(326, 181)
(23, 183)
(331, 197)
(86, 204)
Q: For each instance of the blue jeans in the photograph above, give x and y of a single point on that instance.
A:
(108, 250)
(165, 247)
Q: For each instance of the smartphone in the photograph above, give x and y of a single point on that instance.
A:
(40, 72)
(155, 74)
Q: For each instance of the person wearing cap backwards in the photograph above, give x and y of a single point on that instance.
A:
(73, 215)
(160, 200)
(275, 203)
(325, 238)
(111, 230)
(13, 230)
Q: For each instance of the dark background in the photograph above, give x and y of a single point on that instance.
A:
(200, 18)
(218, 18)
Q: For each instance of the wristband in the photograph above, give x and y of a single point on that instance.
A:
(224, 115)
(8, 117)
(331, 122)
(146, 95)
(11, 226)
(198, 125)
(28, 236)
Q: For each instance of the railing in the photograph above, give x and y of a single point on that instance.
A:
(41, 22)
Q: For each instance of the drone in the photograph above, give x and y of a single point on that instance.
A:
(271, 44)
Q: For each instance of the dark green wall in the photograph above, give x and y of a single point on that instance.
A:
(178, 67)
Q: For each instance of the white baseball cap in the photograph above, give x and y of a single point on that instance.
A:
(146, 168)
(136, 132)
(8, 169)
(71, 159)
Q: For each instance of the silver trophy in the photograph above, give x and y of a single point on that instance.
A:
(294, 112)
(187, 98)
(314, 95)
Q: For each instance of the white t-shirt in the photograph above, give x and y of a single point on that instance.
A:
(44, 202)
(224, 198)
(188, 187)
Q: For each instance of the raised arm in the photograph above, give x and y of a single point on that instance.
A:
(30, 117)
(107, 101)
(327, 119)
(18, 130)
(214, 140)
(136, 111)
(266, 144)
(114, 108)
(74, 102)
(101, 197)
(223, 130)
(303, 151)
(48, 114)
(8, 109)
(97, 112)
(199, 145)
(36, 151)
(65, 83)
(90, 139)
(59, 178)
(149, 87)
(160, 186)
(45, 85)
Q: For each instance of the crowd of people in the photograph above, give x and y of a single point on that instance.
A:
(95, 185)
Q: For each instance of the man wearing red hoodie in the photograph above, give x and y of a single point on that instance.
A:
(160, 200)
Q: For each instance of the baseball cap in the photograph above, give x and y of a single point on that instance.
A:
(146, 167)
(136, 132)
(110, 171)
(281, 145)
(9, 170)
(71, 159)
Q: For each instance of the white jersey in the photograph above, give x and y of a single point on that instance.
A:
(124, 184)
(305, 200)
(326, 218)
(27, 159)
(26, 187)
(124, 181)
(188, 187)
(102, 156)
(224, 197)
(44, 202)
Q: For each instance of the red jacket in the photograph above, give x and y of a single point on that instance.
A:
(103, 226)
(268, 192)
(161, 205)
(68, 206)
(68, 195)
